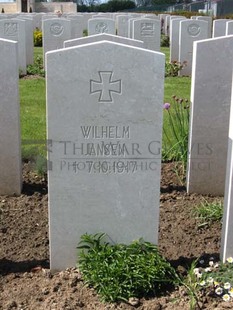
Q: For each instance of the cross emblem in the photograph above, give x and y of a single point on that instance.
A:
(105, 86)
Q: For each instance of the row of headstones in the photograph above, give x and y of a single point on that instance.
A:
(115, 94)
(56, 30)
(183, 32)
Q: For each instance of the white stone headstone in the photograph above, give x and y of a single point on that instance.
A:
(209, 20)
(219, 27)
(122, 25)
(148, 31)
(105, 122)
(10, 145)
(101, 37)
(227, 227)
(174, 38)
(229, 28)
(190, 31)
(210, 108)
(101, 25)
(55, 32)
(15, 30)
(77, 26)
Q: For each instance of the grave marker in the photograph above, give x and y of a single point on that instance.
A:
(105, 124)
(227, 227)
(209, 122)
(10, 145)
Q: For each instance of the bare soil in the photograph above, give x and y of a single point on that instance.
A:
(25, 278)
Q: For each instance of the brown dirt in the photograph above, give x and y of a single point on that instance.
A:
(25, 279)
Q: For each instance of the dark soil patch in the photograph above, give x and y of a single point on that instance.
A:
(25, 279)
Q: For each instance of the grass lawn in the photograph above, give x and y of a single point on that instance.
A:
(33, 106)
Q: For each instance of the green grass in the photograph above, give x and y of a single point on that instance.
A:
(208, 212)
(38, 51)
(33, 115)
(33, 108)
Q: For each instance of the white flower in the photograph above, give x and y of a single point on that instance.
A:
(226, 297)
(210, 280)
(199, 275)
(208, 269)
(227, 285)
(231, 292)
(219, 291)
(211, 263)
(230, 260)
(202, 283)
(216, 265)
(196, 270)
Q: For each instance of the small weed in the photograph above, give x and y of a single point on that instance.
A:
(165, 42)
(37, 68)
(208, 212)
(119, 272)
(173, 68)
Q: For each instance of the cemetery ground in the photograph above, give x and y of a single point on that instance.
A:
(25, 279)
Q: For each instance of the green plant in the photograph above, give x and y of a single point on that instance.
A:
(165, 42)
(208, 212)
(37, 35)
(216, 280)
(119, 271)
(37, 68)
(173, 68)
(191, 284)
(175, 129)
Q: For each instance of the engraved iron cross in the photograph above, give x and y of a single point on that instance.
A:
(105, 86)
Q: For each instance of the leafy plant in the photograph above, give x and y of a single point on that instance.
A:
(176, 128)
(37, 35)
(37, 68)
(165, 42)
(119, 271)
(209, 212)
(173, 68)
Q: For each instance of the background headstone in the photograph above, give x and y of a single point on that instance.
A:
(209, 122)
(10, 145)
(190, 31)
(227, 227)
(101, 37)
(101, 25)
(148, 31)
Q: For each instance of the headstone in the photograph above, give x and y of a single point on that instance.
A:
(15, 30)
(209, 20)
(122, 25)
(210, 97)
(148, 31)
(219, 27)
(76, 26)
(10, 145)
(227, 227)
(130, 26)
(174, 38)
(29, 40)
(101, 25)
(190, 31)
(55, 32)
(229, 28)
(101, 37)
(105, 125)
(163, 22)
